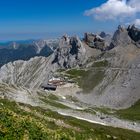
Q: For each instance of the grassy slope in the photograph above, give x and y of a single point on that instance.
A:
(35, 123)
(132, 113)
(87, 80)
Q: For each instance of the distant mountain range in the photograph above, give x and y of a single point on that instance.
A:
(6, 44)
(24, 50)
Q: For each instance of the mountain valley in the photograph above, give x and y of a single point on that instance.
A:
(99, 96)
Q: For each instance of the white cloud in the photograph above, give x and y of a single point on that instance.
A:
(115, 9)
(134, 3)
(137, 22)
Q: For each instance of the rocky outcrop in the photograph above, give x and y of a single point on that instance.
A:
(30, 74)
(95, 41)
(120, 38)
(106, 37)
(70, 53)
(124, 36)
(103, 34)
(134, 33)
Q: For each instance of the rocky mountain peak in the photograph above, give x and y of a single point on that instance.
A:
(107, 37)
(121, 28)
(103, 34)
(124, 36)
(120, 37)
(65, 38)
(70, 52)
(134, 33)
(95, 41)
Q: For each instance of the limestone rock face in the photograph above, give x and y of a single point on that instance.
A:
(106, 37)
(95, 41)
(89, 37)
(103, 34)
(134, 33)
(70, 53)
(125, 36)
(30, 74)
(120, 37)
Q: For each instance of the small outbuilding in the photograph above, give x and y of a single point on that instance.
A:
(49, 87)
(53, 83)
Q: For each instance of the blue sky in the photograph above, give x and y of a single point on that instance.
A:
(23, 19)
(26, 19)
